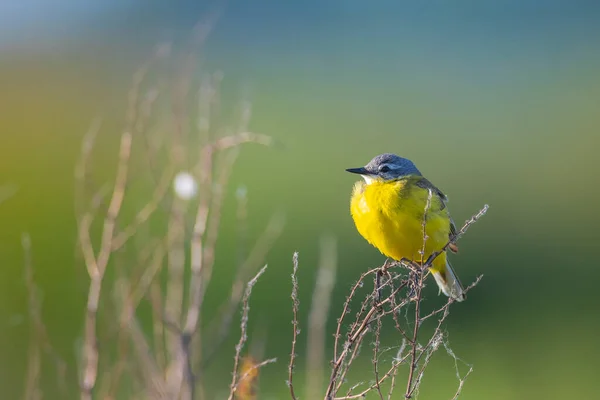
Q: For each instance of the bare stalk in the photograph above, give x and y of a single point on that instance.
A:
(418, 287)
(243, 331)
(392, 291)
(97, 266)
(295, 326)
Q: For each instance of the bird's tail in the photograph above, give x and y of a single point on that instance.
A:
(448, 282)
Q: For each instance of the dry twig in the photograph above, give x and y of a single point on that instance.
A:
(163, 362)
(39, 344)
(295, 325)
(386, 299)
(243, 331)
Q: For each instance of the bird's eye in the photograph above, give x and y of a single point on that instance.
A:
(384, 168)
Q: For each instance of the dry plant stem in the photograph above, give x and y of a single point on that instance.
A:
(376, 356)
(97, 265)
(395, 370)
(145, 281)
(372, 300)
(218, 192)
(220, 326)
(174, 296)
(380, 313)
(392, 370)
(348, 362)
(317, 318)
(395, 314)
(39, 342)
(358, 329)
(437, 338)
(155, 298)
(461, 232)
(179, 344)
(87, 144)
(197, 249)
(181, 364)
(144, 214)
(154, 384)
(202, 254)
(352, 340)
(295, 306)
(161, 364)
(243, 331)
(214, 219)
(418, 357)
(418, 288)
(358, 284)
(127, 299)
(461, 380)
(173, 301)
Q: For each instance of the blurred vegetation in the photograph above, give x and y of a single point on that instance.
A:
(497, 108)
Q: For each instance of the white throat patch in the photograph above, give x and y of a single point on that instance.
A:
(368, 179)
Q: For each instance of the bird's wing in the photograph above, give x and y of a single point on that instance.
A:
(426, 184)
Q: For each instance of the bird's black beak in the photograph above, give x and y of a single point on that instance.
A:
(360, 171)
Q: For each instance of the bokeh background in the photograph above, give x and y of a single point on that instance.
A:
(496, 102)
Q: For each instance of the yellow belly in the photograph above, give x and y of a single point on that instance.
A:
(389, 215)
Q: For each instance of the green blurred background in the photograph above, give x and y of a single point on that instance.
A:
(496, 102)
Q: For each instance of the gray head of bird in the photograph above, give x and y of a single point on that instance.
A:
(386, 167)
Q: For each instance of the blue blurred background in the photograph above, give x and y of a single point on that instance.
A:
(496, 102)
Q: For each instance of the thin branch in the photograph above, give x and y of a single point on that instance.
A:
(418, 287)
(174, 294)
(219, 328)
(389, 373)
(154, 384)
(359, 283)
(243, 331)
(395, 371)
(375, 306)
(145, 212)
(458, 235)
(375, 359)
(296, 329)
(353, 339)
(97, 265)
(461, 380)
(39, 340)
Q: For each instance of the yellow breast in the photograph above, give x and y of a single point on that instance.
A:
(389, 215)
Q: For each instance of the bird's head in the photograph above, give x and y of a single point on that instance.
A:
(386, 167)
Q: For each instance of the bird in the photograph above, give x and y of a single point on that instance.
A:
(388, 206)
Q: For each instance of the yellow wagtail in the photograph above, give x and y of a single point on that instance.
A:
(388, 209)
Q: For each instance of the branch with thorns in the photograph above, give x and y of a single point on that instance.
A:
(397, 285)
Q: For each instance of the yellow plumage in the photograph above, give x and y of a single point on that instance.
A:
(389, 215)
